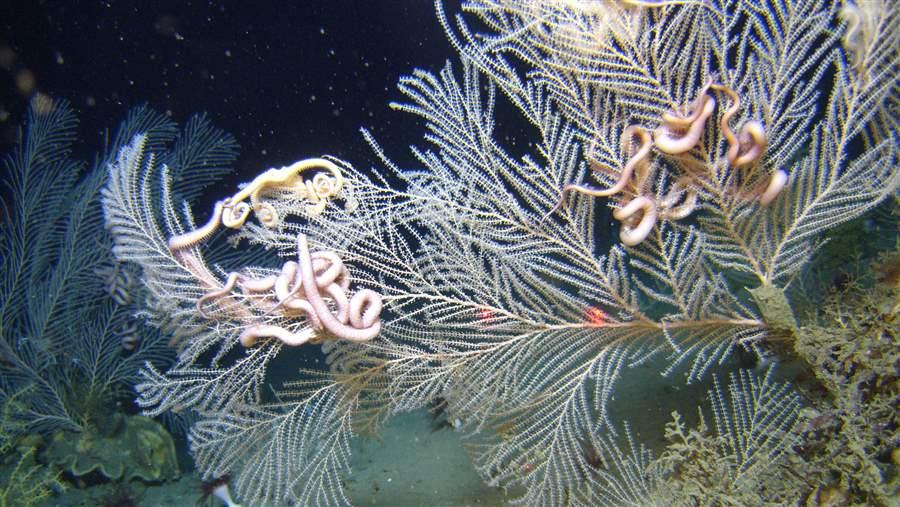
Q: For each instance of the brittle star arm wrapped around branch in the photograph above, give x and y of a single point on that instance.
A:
(365, 305)
(289, 178)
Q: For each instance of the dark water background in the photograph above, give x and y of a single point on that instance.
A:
(290, 79)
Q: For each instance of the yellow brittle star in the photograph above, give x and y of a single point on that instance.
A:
(287, 179)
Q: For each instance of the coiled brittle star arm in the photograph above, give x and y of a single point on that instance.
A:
(750, 145)
(636, 164)
(678, 135)
(298, 290)
(365, 305)
(631, 234)
(289, 178)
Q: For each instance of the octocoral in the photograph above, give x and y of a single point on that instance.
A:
(854, 428)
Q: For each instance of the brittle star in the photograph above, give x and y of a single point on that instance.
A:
(362, 311)
(751, 144)
(636, 164)
(678, 134)
(287, 178)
